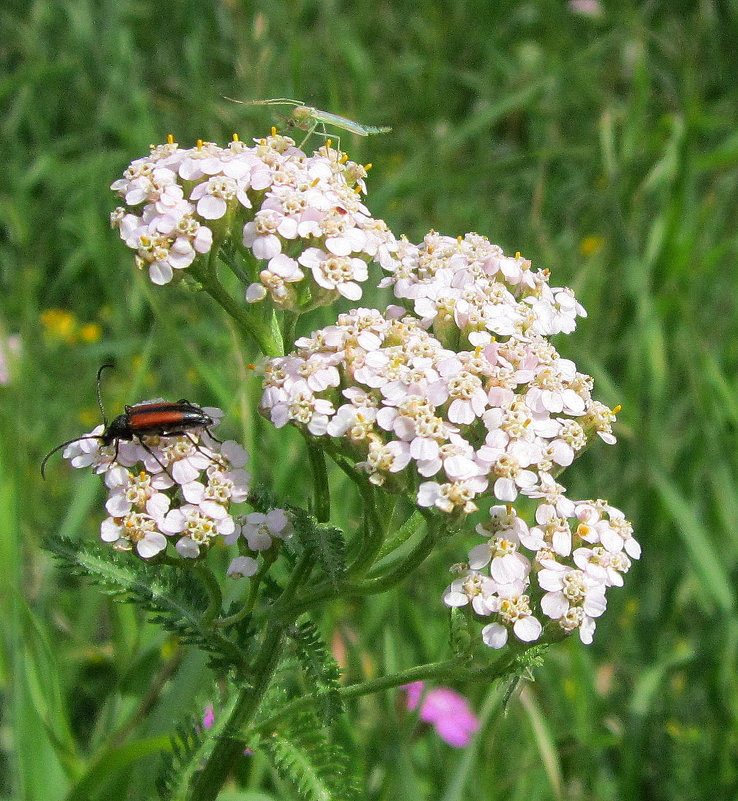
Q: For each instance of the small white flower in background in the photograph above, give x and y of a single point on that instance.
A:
(242, 567)
(259, 529)
(586, 8)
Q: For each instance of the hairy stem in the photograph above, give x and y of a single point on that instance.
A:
(321, 490)
(214, 593)
(448, 670)
(396, 574)
(373, 533)
(230, 745)
(268, 340)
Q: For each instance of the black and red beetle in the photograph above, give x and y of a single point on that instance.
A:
(153, 418)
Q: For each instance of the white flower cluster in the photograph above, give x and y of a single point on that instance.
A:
(167, 487)
(299, 214)
(469, 285)
(467, 396)
(404, 407)
(575, 552)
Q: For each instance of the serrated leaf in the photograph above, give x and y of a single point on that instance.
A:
(324, 542)
(319, 770)
(172, 596)
(321, 669)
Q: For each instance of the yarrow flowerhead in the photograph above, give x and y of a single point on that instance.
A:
(452, 395)
(415, 414)
(551, 575)
(456, 394)
(166, 488)
(298, 219)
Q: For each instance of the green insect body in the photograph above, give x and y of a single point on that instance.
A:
(308, 118)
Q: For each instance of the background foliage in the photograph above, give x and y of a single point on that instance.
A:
(604, 148)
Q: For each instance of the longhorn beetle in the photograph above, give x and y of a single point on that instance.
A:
(156, 417)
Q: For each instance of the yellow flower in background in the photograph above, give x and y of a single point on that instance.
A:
(59, 324)
(62, 325)
(591, 245)
(90, 332)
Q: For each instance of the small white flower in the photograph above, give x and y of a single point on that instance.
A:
(259, 529)
(134, 529)
(242, 566)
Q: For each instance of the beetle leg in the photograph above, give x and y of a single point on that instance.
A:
(197, 447)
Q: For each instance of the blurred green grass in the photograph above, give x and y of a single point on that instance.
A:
(602, 148)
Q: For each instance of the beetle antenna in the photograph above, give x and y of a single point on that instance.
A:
(99, 394)
(59, 447)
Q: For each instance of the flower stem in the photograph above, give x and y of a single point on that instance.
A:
(289, 324)
(266, 337)
(214, 593)
(230, 744)
(372, 530)
(321, 488)
(400, 571)
(448, 670)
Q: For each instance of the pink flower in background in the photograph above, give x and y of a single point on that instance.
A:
(9, 350)
(587, 8)
(208, 717)
(445, 709)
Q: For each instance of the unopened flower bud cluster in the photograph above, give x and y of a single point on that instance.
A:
(176, 489)
(299, 220)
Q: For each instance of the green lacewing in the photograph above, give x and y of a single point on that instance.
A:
(307, 118)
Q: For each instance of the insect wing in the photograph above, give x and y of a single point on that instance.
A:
(302, 114)
(328, 118)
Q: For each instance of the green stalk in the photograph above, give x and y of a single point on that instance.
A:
(385, 581)
(255, 583)
(373, 533)
(321, 489)
(214, 593)
(289, 324)
(402, 535)
(267, 337)
(448, 670)
(230, 745)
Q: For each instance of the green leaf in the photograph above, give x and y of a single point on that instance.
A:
(324, 542)
(113, 760)
(304, 757)
(704, 558)
(172, 595)
(321, 670)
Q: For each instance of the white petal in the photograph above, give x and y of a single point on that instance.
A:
(109, 530)
(527, 629)
(494, 635)
(187, 548)
(118, 505)
(554, 605)
(455, 598)
(152, 544)
(242, 566)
